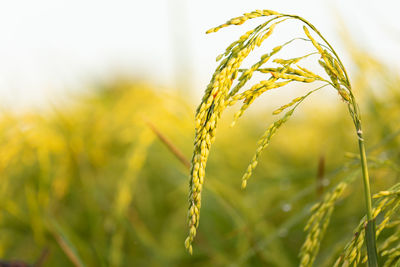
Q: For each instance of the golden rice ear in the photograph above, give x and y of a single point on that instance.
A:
(317, 225)
(309, 73)
(282, 108)
(219, 94)
(240, 20)
(246, 75)
(294, 60)
(264, 142)
(269, 133)
(291, 77)
(335, 67)
(329, 63)
(255, 91)
(314, 42)
(386, 205)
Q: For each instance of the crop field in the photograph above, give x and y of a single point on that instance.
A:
(104, 178)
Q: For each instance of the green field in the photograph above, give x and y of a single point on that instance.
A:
(90, 183)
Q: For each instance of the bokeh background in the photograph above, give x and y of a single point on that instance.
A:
(90, 91)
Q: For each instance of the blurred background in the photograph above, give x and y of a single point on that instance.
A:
(92, 93)
(48, 47)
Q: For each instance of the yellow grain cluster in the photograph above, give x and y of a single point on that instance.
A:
(282, 108)
(240, 20)
(220, 94)
(215, 100)
(390, 247)
(387, 205)
(317, 224)
(209, 111)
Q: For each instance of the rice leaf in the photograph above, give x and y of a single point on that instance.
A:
(371, 244)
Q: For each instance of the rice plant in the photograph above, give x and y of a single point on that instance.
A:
(99, 180)
(227, 88)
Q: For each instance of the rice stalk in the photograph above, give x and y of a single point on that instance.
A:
(219, 94)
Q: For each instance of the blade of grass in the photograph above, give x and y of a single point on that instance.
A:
(174, 150)
(65, 244)
(370, 231)
(371, 244)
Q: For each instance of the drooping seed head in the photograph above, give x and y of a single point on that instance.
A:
(226, 88)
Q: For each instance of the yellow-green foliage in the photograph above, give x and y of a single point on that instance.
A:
(318, 223)
(90, 181)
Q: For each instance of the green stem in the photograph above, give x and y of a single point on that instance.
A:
(367, 190)
(370, 227)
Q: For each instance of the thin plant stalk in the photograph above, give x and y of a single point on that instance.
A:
(367, 190)
(370, 235)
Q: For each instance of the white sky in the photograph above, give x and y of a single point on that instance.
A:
(53, 46)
